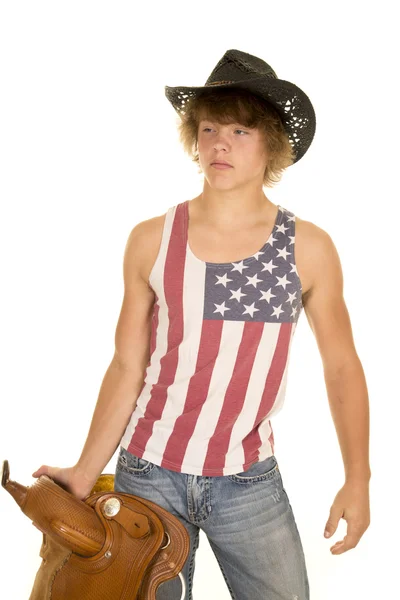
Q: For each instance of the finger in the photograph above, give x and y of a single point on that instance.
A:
(347, 543)
(339, 549)
(337, 545)
(38, 472)
(43, 470)
(351, 538)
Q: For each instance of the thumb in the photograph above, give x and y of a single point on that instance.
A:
(43, 470)
(332, 522)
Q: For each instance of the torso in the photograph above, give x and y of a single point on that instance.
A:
(207, 245)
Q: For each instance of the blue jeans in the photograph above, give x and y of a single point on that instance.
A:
(246, 517)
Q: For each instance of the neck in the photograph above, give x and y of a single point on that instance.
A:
(226, 208)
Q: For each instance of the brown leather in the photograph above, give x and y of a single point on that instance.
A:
(110, 546)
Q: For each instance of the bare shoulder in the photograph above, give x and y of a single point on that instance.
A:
(323, 301)
(132, 336)
(144, 243)
(315, 251)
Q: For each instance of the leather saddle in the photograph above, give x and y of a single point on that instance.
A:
(109, 546)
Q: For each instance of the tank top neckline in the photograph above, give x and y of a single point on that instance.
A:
(248, 259)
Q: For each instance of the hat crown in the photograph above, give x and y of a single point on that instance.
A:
(236, 65)
(241, 70)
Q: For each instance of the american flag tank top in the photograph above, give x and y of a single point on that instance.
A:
(219, 352)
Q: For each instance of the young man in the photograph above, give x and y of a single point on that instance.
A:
(213, 292)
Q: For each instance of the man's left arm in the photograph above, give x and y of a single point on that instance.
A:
(346, 386)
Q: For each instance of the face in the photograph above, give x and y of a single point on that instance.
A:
(238, 145)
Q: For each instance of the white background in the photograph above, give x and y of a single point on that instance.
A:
(89, 148)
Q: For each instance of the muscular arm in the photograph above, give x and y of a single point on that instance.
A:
(124, 377)
(329, 320)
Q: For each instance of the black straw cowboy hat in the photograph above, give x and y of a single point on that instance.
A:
(237, 69)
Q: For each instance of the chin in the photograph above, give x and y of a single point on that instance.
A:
(219, 178)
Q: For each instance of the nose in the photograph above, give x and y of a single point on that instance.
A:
(221, 137)
(221, 141)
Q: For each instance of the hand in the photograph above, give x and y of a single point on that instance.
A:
(352, 504)
(69, 478)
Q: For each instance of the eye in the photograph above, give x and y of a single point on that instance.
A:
(242, 130)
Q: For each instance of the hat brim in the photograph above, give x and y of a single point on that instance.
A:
(269, 89)
(292, 104)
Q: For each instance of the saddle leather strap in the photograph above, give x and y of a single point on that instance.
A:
(110, 546)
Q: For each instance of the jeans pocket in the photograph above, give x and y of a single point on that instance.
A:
(263, 470)
(132, 464)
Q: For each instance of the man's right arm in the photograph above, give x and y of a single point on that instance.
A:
(124, 377)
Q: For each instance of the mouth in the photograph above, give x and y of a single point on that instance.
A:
(221, 165)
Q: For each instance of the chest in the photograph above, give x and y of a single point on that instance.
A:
(207, 246)
(212, 247)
